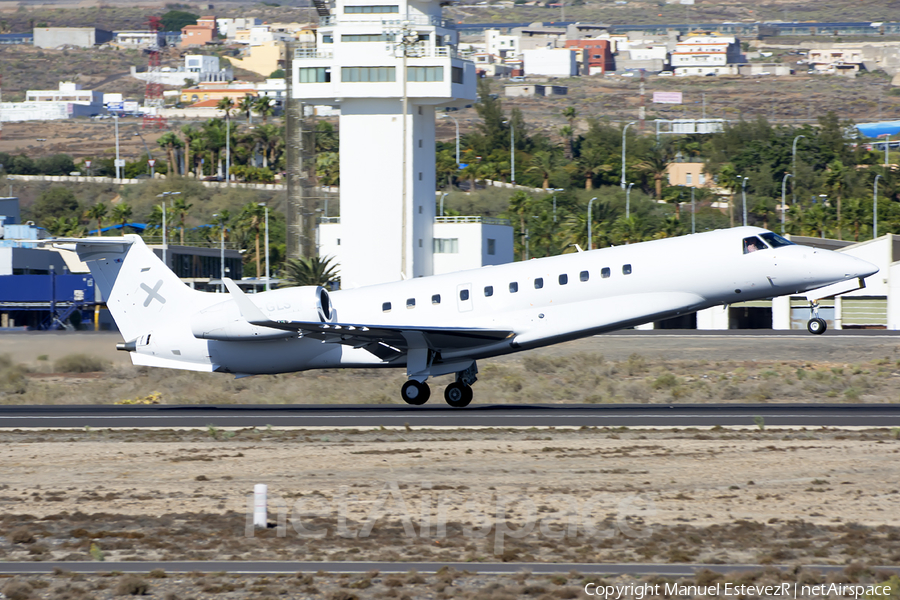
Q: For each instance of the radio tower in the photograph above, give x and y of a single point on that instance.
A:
(153, 96)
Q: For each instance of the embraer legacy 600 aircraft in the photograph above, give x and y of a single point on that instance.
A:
(442, 324)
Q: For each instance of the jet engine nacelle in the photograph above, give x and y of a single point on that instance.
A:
(224, 322)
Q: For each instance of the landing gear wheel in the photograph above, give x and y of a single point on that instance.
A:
(415, 393)
(458, 395)
(817, 326)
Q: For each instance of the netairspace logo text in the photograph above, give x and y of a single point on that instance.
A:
(785, 590)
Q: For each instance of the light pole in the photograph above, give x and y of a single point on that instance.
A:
(221, 253)
(590, 233)
(875, 210)
(744, 198)
(264, 205)
(512, 150)
(165, 223)
(455, 122)
(624, 129)
(444, 195)
(9, 180)
(887, 150)
(628, 201)
(554, 190)
(118, 163)
(693, 213)
(794, 167)
(227, 146)
(783, 200)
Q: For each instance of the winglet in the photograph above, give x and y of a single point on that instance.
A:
(249, 311)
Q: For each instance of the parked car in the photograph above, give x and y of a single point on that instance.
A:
(665, 74)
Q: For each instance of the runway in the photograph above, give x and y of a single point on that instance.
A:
(276, 567)
(440, 415)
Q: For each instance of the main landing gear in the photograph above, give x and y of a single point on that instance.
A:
(816, 325)
(458, 394)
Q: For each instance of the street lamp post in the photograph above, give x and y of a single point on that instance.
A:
(554, 190)
(875, 210)
(887, 150)
(221, 253)
(794, 167)
(693, 213)
(744, 198)
(628, 200)
(266, 207)
(624, 129)
(512, 150)
(165, 223)
(455, 122)
(444, 195)
(590, 233)
(783, 199)
(9, 180)
(118, 164)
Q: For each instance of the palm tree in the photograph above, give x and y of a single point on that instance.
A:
(97, 212)
(251, 218)
(858, 211)
(121, 214)
(836, 182)
(265, 107)
(180, 207)
(246, 106)
(590, 163)
(268, 137)
(310, 271)
(543, 162)
(520, 205)
(566, 132)
(328, 168)
(656, 164)
(170, 142)
(632, 229)
(64, 227)
(190, 134)
(729, 179)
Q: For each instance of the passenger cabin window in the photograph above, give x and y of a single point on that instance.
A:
(464, 295)
(513, 287)
(775, 240)
(410, 303)
(436, 299)
(604, 272)
(386, 307)
(488, 291)
(752, 244)
(538, 283)
(563, 279)
(626, 269)
(585, 275)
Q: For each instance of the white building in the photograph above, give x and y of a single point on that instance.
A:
(553, 62)
(502, 46)
(459, 243)
(273, 88)
(703, 54)
(197, 68)
(387, 156)
(139, 39)
(67, 92)
(229, 27)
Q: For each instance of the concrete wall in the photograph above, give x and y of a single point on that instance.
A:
(556, 62)
(83, 37)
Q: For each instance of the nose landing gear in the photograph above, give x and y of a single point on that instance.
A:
(816, 325)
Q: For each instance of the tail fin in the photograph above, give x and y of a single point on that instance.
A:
(140, 291)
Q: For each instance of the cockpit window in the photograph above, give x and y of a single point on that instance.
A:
(752, 244)
(775, 240)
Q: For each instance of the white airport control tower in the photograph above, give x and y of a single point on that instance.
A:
(378, 62)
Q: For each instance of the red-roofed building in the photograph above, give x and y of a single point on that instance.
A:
(596, 56)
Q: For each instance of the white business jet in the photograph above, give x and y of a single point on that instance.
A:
(442, 324)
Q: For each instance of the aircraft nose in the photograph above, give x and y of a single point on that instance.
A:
(848, 267)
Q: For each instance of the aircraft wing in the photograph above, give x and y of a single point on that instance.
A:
(385, 341)
(399, 337)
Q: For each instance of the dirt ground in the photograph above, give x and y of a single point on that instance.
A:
(788, 496)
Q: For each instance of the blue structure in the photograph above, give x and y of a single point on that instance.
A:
(45, 301)
(874, 130)
(135, 228)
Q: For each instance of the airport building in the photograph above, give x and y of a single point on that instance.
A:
(877, 306)
(388, 67)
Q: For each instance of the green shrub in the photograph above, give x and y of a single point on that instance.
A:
(132, 585)
(79, 363)
(12, 376)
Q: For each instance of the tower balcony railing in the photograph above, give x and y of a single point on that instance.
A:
(388, 19)
(312, 53)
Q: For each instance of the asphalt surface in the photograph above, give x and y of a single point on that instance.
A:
(439, 415)
(46, 567)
